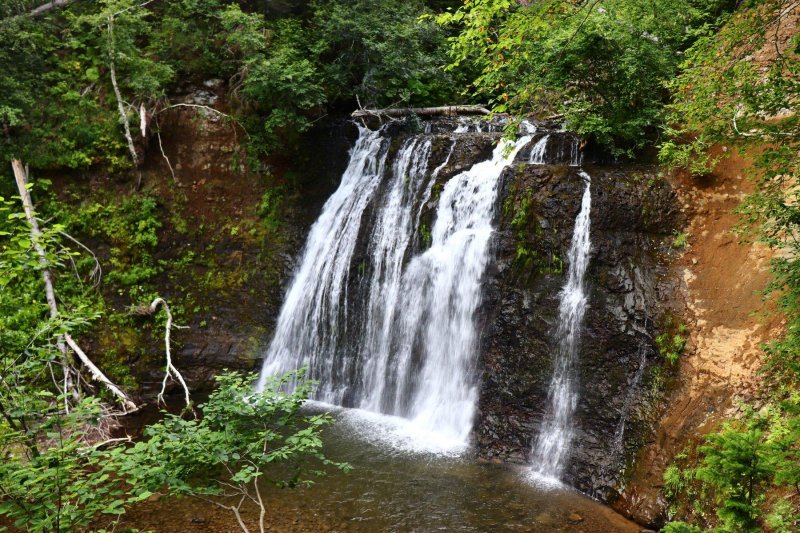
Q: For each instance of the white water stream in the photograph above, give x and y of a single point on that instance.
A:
(551, 450)
(395, 333)
(538, 151)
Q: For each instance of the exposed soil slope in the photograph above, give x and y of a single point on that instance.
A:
(722, 282)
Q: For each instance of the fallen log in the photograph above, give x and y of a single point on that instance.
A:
(446, 111)
(44, 8)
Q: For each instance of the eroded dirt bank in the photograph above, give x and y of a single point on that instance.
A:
(720, 301)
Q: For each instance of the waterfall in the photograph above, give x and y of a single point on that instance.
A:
(538, 151)
(552, 447)
(575, 155)
(393, 332)
(312, 321)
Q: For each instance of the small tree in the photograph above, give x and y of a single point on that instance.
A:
(737, 463)
(222, 458)
(52, 478)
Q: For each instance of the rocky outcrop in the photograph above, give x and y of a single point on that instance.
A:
(633, 215)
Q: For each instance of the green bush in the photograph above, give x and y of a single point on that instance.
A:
(243, 440)
(603, 65)
(734, 469)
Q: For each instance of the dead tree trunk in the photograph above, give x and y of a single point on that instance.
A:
(22, 185)
(21, 177)
(120, 107)
(36, 234)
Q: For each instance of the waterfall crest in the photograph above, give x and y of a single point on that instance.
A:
(406, 344)
(552, 446)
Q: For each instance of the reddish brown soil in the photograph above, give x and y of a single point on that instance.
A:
(721, 302)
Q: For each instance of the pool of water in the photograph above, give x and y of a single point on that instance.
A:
(402, 481)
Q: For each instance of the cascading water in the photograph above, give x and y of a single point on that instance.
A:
(408, 347)
(312, 321)
(538, 151)
(553, 444)
(564, 148)
(575, 154)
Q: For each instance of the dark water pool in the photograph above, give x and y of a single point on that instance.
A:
(396, 485)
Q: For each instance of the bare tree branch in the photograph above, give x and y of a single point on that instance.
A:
(44, 8)
(171, 371)
(212, 110)
(122, 114)
(96, 275)
(163, 153)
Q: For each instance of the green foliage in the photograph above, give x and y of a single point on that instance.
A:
(53, 479)
(734, 468)
(734, 89)
(277, 79)
(282, 72)
(381, 51)
(671, 342)
(680, 240)
(243, 439)
(271, 207)
(736, 464)
(52, 475)
(671, 346)
(27, 331)
(680, 527)
(603, 64)
(48, 471)
(61, 110)
(783, 518)
(129, 227)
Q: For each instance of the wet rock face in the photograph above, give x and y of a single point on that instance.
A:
(253, 270)
(632, 219)
(633, 214)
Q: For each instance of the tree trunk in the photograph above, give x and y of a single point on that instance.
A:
(22, 184)
(451, 110)
(21, 177)
(121, 108)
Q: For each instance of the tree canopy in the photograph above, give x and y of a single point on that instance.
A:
(603, 64)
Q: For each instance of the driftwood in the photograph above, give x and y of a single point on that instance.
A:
(443, 111)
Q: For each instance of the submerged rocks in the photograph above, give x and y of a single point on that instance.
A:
(633, 215)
